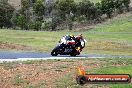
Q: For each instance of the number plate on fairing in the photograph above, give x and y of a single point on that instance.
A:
(67, 50)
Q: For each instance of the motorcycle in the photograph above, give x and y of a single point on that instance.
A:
(68, 46)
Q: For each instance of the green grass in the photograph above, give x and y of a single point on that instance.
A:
(121, 23)
(121, 86)
(105, 66)
(117, 30)
(115, 70)
(110, 67)
(114, 66)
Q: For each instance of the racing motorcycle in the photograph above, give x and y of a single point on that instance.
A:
(68, 48)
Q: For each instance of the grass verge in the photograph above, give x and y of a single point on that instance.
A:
(61, 73)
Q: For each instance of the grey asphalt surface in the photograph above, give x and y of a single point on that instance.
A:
(15, 56)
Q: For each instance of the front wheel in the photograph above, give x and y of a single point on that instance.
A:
(54, 53)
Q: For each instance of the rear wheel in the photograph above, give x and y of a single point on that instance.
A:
(73, 54)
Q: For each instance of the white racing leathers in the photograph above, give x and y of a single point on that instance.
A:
(83, 41)
(63, 40)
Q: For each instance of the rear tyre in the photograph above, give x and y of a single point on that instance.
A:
(73, 54)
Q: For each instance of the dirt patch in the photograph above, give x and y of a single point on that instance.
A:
(11, 46)
(46, 74)
(39, 74)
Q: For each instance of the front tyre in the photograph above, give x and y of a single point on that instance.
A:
(54, 53)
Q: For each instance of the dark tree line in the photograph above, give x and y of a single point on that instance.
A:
(6, 11)
(50, 14)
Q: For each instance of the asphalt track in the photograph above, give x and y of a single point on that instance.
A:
(6, 56)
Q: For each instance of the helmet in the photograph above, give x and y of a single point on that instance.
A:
(79, 37)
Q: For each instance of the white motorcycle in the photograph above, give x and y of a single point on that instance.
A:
(68, 46)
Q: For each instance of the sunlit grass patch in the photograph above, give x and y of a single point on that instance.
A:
(115, 48)
(115, 70)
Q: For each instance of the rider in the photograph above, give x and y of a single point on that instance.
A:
(70, 41)
(79, 41)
